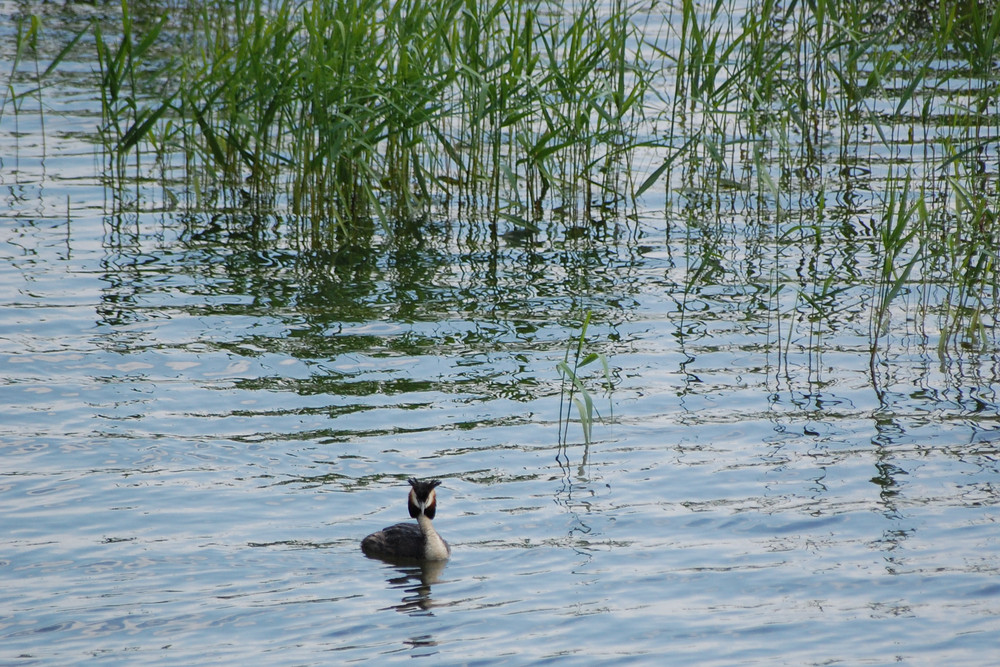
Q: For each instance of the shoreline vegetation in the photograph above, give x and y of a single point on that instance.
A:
(828, 161)
(362, 110)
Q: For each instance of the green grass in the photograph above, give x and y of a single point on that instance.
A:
(892, 108)
(348, 110)
(850, 146)
(27, 33)
(574, 391)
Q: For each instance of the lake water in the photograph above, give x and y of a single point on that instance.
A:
(202, 417)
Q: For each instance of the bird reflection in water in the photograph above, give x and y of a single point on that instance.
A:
(415, 579)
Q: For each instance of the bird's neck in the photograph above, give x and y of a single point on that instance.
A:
(435, 547)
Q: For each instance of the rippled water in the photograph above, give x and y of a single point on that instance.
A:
(201, 420)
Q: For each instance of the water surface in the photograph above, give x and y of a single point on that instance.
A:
(202, 417)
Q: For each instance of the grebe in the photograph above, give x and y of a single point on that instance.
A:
(409, 540)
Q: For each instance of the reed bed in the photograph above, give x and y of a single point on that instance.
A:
(835, 163)
(348, 110)
(854, 146)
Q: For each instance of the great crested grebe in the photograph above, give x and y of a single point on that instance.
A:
(411, 540)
